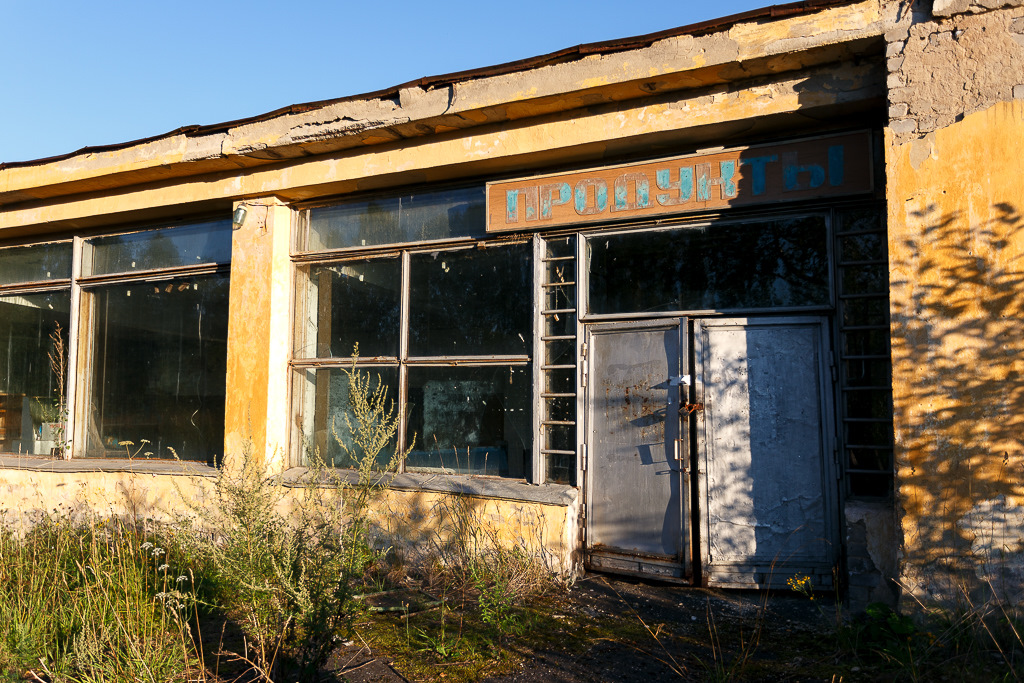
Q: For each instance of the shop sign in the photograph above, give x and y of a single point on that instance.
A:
(813, 168)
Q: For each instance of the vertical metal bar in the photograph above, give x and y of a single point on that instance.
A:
(582, 284)
(538, 404)
(74, 332)
(403, 355)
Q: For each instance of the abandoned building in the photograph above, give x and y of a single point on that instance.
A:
(718, 305)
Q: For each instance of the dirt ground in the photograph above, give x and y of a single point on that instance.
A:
(615, 629)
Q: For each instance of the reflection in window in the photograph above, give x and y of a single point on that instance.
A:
(355, 302)
(157, 371)
(459, 305)
(329, 419)
(188, 245)
(31, 394)
(471, 302)
(765, 264)
(407, 218)
(470, 420)
(36, 263)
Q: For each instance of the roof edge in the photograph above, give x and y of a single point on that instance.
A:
(429, 82)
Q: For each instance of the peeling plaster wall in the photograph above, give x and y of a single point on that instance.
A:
(956, 257)
(942, 68)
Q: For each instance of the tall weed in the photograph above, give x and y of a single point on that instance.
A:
(94, 600)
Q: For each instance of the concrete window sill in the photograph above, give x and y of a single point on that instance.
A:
(484, 487)
(80, 465)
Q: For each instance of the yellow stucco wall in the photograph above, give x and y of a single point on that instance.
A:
(25, 494)
(421, 524)
(956, 255)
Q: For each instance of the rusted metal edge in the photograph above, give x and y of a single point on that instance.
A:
(430, 82)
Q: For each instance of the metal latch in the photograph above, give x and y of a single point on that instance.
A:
(681, 379)
(690, 408)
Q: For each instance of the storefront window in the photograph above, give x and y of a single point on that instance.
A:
(156, 319)
(447, 332)
(151, 339)
(157, 369)
(33, 357)
(428, 216)
(780, 263)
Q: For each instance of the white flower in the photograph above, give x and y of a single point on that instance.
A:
(163, 567)
(182, 578)
(157, 552)
(147, 545)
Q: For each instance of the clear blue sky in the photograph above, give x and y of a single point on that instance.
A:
(76, 73)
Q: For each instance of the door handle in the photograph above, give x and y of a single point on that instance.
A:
(680, 458)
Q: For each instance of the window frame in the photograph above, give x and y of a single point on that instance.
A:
(304, 262)
(80, 331)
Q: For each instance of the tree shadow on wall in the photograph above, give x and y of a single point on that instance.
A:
(958, 304)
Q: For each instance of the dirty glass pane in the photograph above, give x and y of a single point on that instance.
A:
(188, 245)
(393, 220)
(863, 280)
(158, 367)
(560, 352)
(764, 264)
(37, 263)
(869, 434)
(328, 417)
(866, 373)
(31, 394)
(860, 219)
(355, 302)
(868, 403)
(870, 485)
(868, 311)
(474, 302)
(561, 469)
(869, 247)
(866, 342)
(561, 437)
(470, 420)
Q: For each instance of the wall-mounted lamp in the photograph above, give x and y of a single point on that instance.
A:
(238, 217)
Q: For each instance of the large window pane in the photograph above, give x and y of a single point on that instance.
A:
(329, 423)
(189, 245)
(392, 220)
(37, 263)
(473, 420)
(158, 368)
(471, 303)
(356, 302)
(766, 264)
(31, 394)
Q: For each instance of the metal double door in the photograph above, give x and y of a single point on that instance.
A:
(716, 465)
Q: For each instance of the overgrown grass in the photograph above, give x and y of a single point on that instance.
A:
(83, 599)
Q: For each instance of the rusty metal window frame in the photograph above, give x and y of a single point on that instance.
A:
(303, 261)
(57, 285)
(84, 287)
(79, 286)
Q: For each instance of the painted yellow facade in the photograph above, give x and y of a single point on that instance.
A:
(946, 115)
(956, 254)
